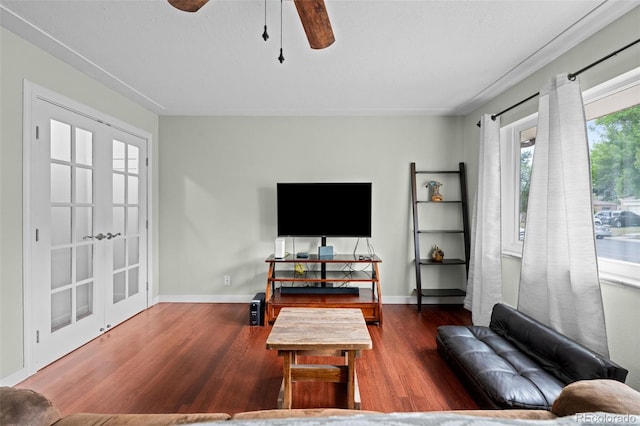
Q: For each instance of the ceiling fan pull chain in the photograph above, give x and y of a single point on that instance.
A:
(281, 57)
(265, 35)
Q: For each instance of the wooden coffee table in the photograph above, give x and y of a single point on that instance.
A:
(319, 332)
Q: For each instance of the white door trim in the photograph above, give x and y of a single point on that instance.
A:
(32, 91)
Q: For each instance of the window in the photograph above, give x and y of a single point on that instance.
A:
(613, 129)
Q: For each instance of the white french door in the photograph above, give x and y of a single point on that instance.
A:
(88, 214)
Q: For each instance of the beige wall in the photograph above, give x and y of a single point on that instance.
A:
(218, 179)
(620, 302)
(19, 61)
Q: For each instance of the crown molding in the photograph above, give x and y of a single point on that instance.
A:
(599, 17)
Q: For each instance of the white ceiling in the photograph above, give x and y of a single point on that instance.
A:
(391, 57)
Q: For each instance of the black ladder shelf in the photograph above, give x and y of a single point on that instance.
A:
(421, 261)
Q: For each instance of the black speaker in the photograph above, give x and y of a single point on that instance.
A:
(256, 310)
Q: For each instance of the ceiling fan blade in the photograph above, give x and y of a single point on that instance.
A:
(315, 21)
(188, 5)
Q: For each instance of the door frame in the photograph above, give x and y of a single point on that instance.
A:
(31, 92)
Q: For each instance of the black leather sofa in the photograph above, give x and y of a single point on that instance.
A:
(518, 362)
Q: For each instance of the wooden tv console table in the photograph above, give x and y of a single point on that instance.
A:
(339, 270)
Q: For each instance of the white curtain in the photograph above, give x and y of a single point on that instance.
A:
(559, 283)
(484, 286)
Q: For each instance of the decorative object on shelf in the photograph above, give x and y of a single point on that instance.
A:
(300, 269)
(325, 252)
(434, 188)
(437, 254)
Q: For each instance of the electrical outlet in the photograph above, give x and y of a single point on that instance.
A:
(227, 280)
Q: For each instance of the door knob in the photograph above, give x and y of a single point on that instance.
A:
(101, 236)
(98, 237)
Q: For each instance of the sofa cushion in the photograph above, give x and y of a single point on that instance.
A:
(26, 407)
(507, 377)
(566, 359)
(597, 395)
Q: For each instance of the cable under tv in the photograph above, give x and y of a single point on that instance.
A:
(292, 291)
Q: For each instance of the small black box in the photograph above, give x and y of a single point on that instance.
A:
(256, 309)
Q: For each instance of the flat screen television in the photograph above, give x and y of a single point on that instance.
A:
(324, 209)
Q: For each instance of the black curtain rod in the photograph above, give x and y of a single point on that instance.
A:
(571, 76)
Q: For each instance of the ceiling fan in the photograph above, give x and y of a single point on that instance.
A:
(313, 15)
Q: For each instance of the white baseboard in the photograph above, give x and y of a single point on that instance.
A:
(201, 298)
(221, 298)
(218, 298)
(14, 378)
(398, 300)
(411, 300)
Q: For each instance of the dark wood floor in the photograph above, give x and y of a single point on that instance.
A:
(191, 358)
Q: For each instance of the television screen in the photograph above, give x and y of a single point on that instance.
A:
(324, 209)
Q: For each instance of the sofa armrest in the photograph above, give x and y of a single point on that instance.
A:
(90, 419)
(584, 396)
(26, 407)
(561, 356)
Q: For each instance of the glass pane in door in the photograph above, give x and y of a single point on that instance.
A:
(84, 147)
(134, 284)
(60, 225)
(119, 287)
(118, 220)
(84, 185)
(60, 309)
(133, 254)
(132, 190)
(132, 220)
(118, 188)
(119, 254)
(60, 183)
(84, 262)
(60, 141)
(84, 223)
(84, 301)
(60, 267)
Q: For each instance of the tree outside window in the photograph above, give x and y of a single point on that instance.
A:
(614, 140)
